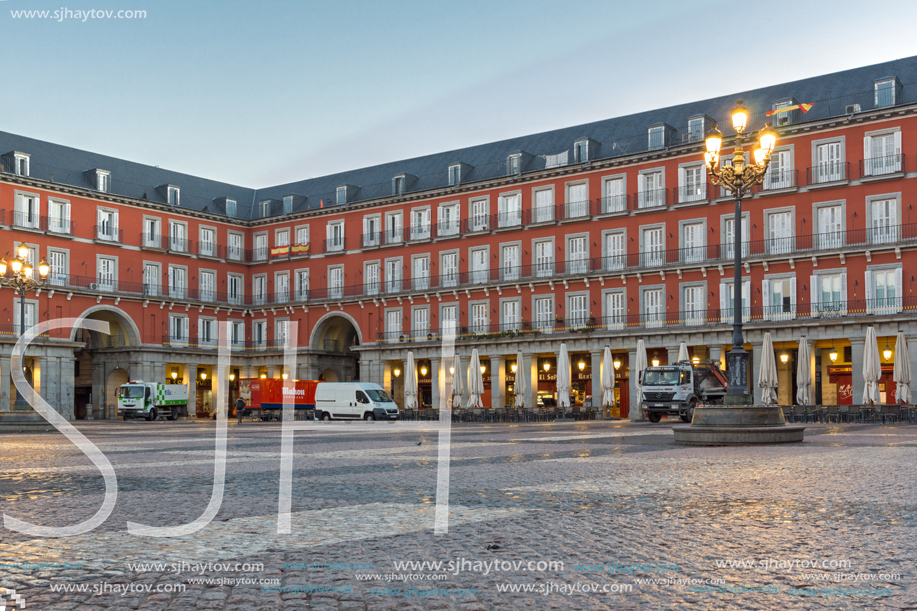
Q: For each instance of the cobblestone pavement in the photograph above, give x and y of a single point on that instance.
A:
(597, 515)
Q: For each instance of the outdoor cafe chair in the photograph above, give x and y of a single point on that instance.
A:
(788, 414)
(830, 413)
(891, 412)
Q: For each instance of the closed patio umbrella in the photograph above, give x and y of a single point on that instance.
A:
(410, 383)
(475, 381)
(683, 352)
(608, 380)
(520, 386)
(458, 386)
(563, 379)
(803, 373)
(767, 375)
(902, 373)
(639, 366)
(872, 368)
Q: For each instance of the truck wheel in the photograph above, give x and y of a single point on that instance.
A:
(152, 416)
(326, 416)
(688, 415)
(173, 415)
(653, 417)
(126, 417)
(369, 416)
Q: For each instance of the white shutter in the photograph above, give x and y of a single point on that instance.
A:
(814, 295)
(844, 293)
(867, 156)
(185, 330)
(899, 297)
(766, 297)
(793, 295)
(114, 226)
(870, 290)
(100, 223)
(682, 186)
(724, 296)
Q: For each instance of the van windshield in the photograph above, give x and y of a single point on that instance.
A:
(130, 392)
(665, 377)
(379, 396)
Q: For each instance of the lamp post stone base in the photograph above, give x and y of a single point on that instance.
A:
(738, 400)
(719, 425)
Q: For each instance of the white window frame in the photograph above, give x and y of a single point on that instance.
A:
(613, 320)
(394, 227)
(580, 208)
(612, 201)
(885, 164)
(782, 311)
(577, 318)
(505, 216)
(449, 276)
(372, 236)
(577, 263)
(781, 175)
(420, 272)
(301, 281)
(231, 208)
(372, 281)
(21, 161)
(152, 286)
(657, 317)
(281, 287)
(544, 266)
(479, 317)
(235, 297)
(178, 244)
(335, 242)
(649, 255)
(207, 247)
(58, 275)
(819, 307)
(696, 316)
(173, 196)
(420, 322)
(336, 281)
(421, 223)
(727, 301)
(541, 305)
(650, 198)
(890, 232)
(832, 238)
(287, 204)
(614, 261)
(207, 331)
(449, 219)
(179, 329)
(205, 294)
(259, 246)
(877, 87)
(394, 323)
(178, 281)
(694, 192)
(692, 253)
(511, 314)
(479, 214)
(543, 213)
(657, 132)
(394, 275)
(779, 244)
(829, 171)
(727, 244)
(479, 264)
(104, 283)
(510, 270)
(28, 216)
(883, 305)
(455, 174)
(235, 252)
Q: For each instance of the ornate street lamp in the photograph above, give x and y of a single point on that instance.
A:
(739, 178)
(22, 280)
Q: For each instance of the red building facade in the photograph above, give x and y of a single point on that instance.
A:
(593, 236)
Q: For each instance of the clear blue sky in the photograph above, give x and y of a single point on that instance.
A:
(267, 92)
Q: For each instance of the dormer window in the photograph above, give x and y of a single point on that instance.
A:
(264, 209)
(288, 204)
(231, 208)
(103, 181)
(455, 174)
(398, 185)
(695, 129)
(173, 196)
(656, 137)
(514, 164)
(340, 195)
(886, 90)
(22, 164)
(581, 151)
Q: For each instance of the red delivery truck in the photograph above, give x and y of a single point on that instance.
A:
(268, 394)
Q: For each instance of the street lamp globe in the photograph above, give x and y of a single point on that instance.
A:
(767, 140)
(23, 251)
(16, 265)
(739, 117)
(43, 269)
(887, 353)
(27, 270)
(760, 156)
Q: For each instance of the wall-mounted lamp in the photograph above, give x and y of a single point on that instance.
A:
(887, 353)
(483, 369)
(513, 367)
(203, 375)
(452, 371)
(616, 363)
(397, 372)
(263, 376)
(695, 360)
(655, 361)
(547, 366)
(784, 358)
(284, 375)
(581, 365)
(232, 377)
(833, 355)
(423, 371)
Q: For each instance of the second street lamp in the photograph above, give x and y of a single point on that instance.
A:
(738, 177)
(22, 280)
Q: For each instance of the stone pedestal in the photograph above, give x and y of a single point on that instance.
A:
(723, 425)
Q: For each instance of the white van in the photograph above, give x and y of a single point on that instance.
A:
(353, 401)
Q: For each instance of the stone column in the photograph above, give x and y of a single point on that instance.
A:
(635, 412)
(6, 384)
(498, 381)
(597, 381)
(856, 362)
(673, 354)
(98, 390)
(67, 381)
(435, 375)
(36, 375)
(191, 384)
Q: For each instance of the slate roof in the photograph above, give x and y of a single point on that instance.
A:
(832, 94)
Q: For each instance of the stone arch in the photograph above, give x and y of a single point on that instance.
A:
(329, 375)
(332, 327)
(122, 325)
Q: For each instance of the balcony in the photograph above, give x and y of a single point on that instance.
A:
(337, 244)
(447, 228)
(652, 199)
(108, 233)
(827, 173)
(421, 232)
(710, 318)
(578, 209)
(59, 225)
(779, 179)
(179, 244)
(693, 193)
(881, 166)
(26, 219)
(615, 203)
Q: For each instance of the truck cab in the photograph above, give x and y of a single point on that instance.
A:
(674, 390)
(148, 400)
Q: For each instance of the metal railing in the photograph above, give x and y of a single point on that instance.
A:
(827, 172)
(624, 323)
(653, 198)
(877, 166)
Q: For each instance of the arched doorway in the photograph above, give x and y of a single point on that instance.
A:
(104, 362)
(332, 342)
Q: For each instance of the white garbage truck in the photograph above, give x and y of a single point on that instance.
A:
(148, 400)
(674, 390)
